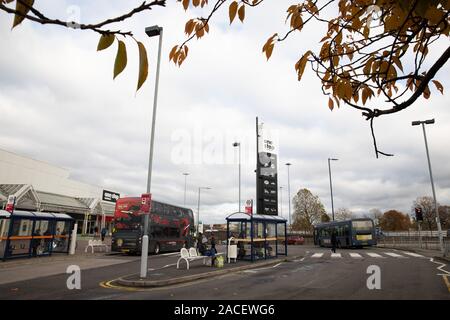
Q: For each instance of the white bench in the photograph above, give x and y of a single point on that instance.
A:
(190, 255)
(96, 244)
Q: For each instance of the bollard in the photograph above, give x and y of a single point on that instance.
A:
(73, 243)
(144, 256)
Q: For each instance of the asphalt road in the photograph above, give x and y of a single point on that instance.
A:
(317, 275)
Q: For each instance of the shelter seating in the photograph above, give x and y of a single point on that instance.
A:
(96, 244)
(190, 255)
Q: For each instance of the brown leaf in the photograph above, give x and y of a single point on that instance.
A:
(23, 10)
(232, 10)
(189, 27)
(143, 65)
(438, 86)
(172, 53)
(241, 13)
(106, 40)
(185, 4)
(121, 59)
(330, 104)
(301, 64)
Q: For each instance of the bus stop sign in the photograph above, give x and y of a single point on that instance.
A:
(11, 204)
(146, 199)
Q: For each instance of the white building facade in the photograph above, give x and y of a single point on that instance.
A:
(40, 186)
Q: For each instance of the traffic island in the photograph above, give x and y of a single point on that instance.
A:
(171, 276)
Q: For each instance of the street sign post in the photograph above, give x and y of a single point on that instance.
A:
(249, 207)
(146, 199)
(11, 204)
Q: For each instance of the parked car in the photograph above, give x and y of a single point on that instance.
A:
(295, 240)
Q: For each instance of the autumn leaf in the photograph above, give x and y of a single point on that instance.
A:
(241, 13)
(233, 10)
(172, 53)
(330, 104)
(438, 86)
(106, 40)
(300, 65)
(143, 65)
(23, 10)
(189, 27)
(268, 46)
(121, 59)
(185, 4)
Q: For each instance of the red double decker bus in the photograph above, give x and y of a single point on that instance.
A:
(170, 227)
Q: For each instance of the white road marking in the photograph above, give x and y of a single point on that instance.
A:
(355, 255)
(317, 255)
(336, 255)
(394, 255)
(413, 254)
(374, 255)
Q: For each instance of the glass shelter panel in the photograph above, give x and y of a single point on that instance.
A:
(281, 238)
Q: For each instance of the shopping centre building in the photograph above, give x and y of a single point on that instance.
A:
(40, 186)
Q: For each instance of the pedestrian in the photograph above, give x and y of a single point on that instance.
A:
(200, 245)
(213, 244)
(103, 233)
(35, 242)
(333, 241)
(95, 231)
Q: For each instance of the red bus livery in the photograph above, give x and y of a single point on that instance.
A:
(170, 227)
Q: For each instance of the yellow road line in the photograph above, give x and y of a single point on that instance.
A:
(447, 283)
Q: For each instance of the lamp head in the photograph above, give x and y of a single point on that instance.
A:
(153, 31)
(236, 144)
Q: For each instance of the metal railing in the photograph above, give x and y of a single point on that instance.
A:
(414, 242)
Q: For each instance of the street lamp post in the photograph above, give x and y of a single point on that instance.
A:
(185, 186)
(281, 201)
(151, 32)
(238, 144)
(289, 194)
(331, 185)
(198, 205)
(438, 222)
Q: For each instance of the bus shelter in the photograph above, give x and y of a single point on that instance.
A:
(32, 234)
(257, 236)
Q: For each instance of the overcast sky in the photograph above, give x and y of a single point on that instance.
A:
(59, 104)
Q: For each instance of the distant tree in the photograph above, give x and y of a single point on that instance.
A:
(325, 218)
(444, 216)
(375, 215)
(343, 214)
(428, 212)
(308, 210)
(394, 220)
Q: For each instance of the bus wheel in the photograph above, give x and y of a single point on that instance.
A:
(156, 251)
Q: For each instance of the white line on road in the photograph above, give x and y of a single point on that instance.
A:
(413, 254)
(355, 255)
(374, 255)
(394, 255)
(317, 255)
(336, 255)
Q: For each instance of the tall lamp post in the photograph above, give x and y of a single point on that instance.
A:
(281, 201)
(331, 185)
(438, 222)
(238, 144)
(151, 32)
(185, 174)
(198, 205)
(289, 194)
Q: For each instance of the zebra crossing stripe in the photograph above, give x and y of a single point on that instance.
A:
(336, 255)
(317, 255)
(355, 255)
(394, 255)
(413, 254)
(374, 255)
